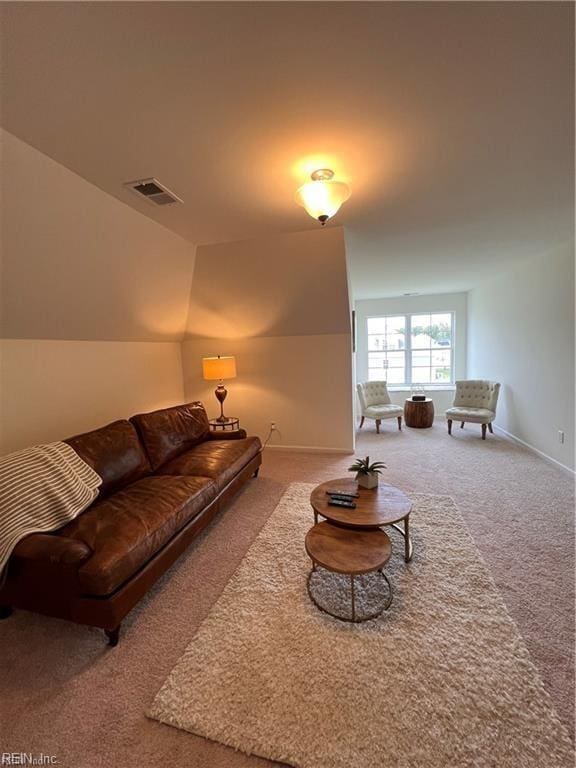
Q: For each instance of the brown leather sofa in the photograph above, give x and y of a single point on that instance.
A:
(165, 476)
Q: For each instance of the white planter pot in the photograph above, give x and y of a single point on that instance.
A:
(367, 481)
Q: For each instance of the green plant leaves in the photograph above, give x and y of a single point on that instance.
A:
(363, 466)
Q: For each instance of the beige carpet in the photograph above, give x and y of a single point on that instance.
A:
(65, 693)
(441, 679)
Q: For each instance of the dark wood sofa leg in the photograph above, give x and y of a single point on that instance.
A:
(399, 422)
(113, 636)
(5, 611)
(377, 426)
(256, 472)
(449, 426)
(483, 431)
(361, 421)
(462, 424)
(490, 428)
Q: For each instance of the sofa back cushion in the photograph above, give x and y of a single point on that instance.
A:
(373, 393)
(115, 453)
(477, 393)
(171, 431)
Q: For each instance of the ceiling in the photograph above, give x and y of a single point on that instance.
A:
(452, 122)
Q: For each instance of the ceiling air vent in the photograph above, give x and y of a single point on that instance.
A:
(153, 191)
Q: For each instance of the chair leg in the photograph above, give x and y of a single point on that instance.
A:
(378, 426)
(361, 422)
(400, 422)
(490, 428)
(256, 472)
(483, 431)
(5, 611)
(462, 424)
(449, 421)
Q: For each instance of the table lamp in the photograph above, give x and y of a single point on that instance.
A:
(219, 368)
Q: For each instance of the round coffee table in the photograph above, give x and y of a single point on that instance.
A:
(351, 552)
(419, 414)
(377, 507)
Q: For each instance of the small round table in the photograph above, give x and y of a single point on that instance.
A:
(376, 507)
(229, 424)
(419, 413)
(350, 552)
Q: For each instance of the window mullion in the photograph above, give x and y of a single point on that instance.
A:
(408, 351)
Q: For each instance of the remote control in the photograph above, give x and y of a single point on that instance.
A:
(340, 497)
(341, 503)
(343, 493)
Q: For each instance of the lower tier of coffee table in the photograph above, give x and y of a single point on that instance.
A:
(354, 618)
(404, 531)
(345, 554)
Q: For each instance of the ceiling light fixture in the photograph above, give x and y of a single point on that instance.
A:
(323, 197)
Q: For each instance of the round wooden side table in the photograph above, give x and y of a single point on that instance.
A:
(229, 424)
(350, 552)
(419, 413)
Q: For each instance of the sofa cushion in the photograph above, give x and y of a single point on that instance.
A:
(115, 453)
(382, 411)
(219, 459)
(171, 431)
(473, 415)
(127, 529)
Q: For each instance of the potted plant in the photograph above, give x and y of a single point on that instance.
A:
(366, 473)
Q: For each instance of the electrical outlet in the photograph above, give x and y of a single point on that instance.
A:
(273, 427)
(560, 436)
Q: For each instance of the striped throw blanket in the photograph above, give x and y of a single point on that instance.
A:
(41, 489)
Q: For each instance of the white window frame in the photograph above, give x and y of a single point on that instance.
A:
(408, 348)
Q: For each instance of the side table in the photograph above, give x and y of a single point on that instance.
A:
(419, 413)
(228, 425)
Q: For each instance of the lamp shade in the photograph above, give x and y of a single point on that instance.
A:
(219, 367)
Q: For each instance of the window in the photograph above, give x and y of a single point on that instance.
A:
(411, 349)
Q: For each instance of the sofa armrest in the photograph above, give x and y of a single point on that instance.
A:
(42, 547)
(236, 434)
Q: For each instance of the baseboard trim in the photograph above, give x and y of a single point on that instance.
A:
(531, 448)
(308, 449)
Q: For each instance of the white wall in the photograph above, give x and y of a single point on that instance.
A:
(442, 302)
(521, 333)
(303, 383)
(284, 285)
(281, 305)
(50, 390)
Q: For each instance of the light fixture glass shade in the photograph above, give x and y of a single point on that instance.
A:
(322, 199)
(219, 367)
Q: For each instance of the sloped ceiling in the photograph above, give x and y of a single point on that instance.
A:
(453, 122)
(79, 265)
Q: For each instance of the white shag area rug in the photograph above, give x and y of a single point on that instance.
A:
(440, 680)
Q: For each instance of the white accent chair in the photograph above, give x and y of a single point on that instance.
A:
(376, 403)
(475, 401)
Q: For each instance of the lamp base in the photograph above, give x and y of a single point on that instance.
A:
(221, 393)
